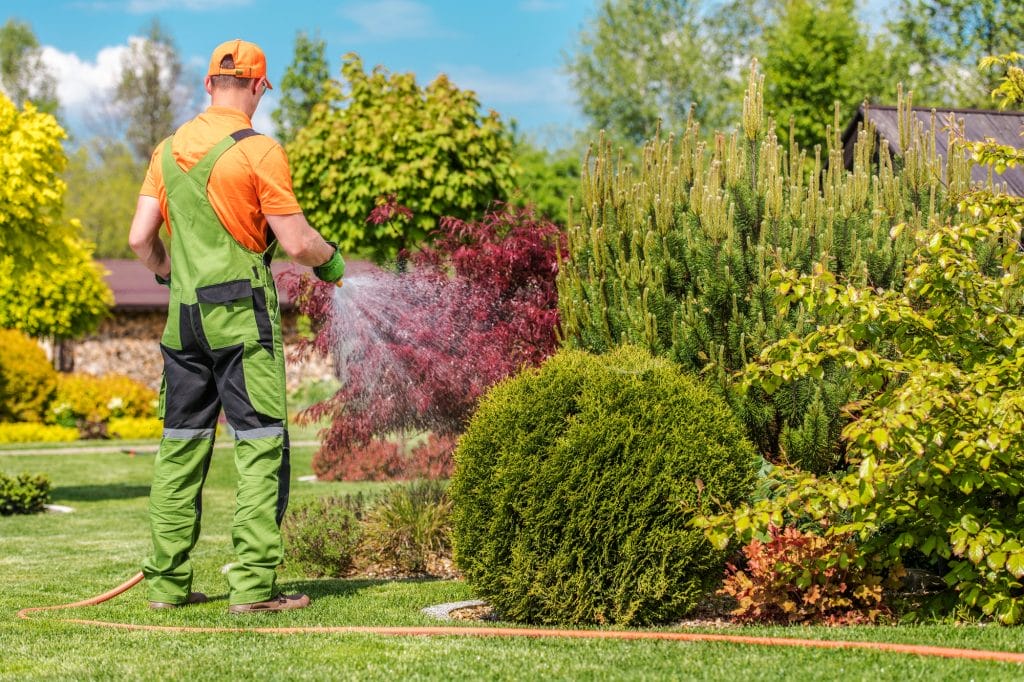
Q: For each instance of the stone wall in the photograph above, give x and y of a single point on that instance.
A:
(129, 343)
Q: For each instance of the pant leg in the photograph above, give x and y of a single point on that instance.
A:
(252, 387)
(179, 471)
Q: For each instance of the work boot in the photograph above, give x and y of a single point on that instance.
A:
(282, 602)
(192, 598)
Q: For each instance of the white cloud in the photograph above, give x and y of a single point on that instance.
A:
(81, 82)
(540, 5)
(393, 20)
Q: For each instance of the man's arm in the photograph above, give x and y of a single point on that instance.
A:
(144, 236)
(299, 240)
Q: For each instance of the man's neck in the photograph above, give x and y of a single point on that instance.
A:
(234, 100)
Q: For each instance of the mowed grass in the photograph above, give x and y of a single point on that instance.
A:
(58, 558)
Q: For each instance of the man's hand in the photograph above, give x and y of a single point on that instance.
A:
(332, 270)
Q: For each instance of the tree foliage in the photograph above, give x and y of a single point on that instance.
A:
(379, 134)
(936, 474)
(545, 179)
(676, 256)
(415, 350)
(151, 93)
(639, 62)
(51, 285)
(23, 75)
(105, 216)
(303, 86)
(945, 40)
(817, 54)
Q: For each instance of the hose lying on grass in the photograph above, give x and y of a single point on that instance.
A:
(916, 649)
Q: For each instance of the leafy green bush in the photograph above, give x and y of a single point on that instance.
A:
(135, 428)
(31, 432)
(27, 380)
(409, 526)
(322, 536)
(26, 494)
(575, 482)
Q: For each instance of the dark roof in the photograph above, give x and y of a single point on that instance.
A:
(979, 124)
(136, 290)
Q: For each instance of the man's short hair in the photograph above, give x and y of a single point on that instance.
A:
(229, 82)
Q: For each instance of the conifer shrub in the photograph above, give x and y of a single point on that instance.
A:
(27, 380)
(676, 255)
(23, 494)
(575, 483)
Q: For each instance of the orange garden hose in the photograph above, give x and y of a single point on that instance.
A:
(916, 649)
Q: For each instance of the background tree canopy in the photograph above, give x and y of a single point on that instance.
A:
(638, 61)
(51, 285)
(380, 134)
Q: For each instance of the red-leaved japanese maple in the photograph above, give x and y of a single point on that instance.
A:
(415, 349)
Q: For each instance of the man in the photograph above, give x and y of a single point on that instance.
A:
(225, 194)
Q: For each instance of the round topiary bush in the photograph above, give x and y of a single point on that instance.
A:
(27, 380)
(575, 482)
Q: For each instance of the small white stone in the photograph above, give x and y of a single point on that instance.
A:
(58, 508)
(308, 479)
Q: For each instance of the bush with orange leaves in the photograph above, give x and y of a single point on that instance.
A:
(803, 578)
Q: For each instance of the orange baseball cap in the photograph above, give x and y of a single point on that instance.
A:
(250, 62)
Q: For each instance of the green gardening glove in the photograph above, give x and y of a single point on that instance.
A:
(333, 269)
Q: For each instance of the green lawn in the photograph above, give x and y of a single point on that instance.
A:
(56, 558)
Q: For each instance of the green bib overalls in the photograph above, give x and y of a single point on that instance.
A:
(222, 347)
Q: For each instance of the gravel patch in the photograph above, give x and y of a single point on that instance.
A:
(444, 611)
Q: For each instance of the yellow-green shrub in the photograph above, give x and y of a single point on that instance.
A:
(27, 380)
(135, 428)
(31, 432)
(83, 397)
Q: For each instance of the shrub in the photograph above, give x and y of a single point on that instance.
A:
(409, 526)
(26, 494)
(675, 254)
(416, 349)
(802, 578)
(27, 380)
(575, 482)
(388, 460)
(135, 428)
(31, 432)
(88, 400)
(378, 460)
(936, 471)
(432, 458)
(322, 536)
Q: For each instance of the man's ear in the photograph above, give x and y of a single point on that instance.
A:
(209, 85)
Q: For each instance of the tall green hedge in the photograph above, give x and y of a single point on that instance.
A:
(675, 255)
(575, 482)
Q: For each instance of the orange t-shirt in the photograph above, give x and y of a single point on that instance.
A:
(250, 180)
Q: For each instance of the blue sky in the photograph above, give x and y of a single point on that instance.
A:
(510, 52)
